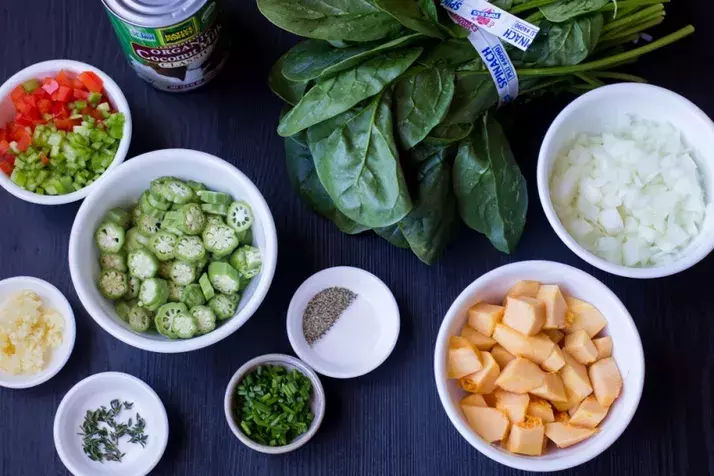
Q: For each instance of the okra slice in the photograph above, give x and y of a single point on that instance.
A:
(206, 286)
(113, 261)
(223, 305)
(195, 186)
(156, 188)
(135, 215)
(214, 220)
(215, 209)
(175, 191)
(119, 216)
(201, 263)
(175, 291)
(122, 309)
(183, 273)
(220, 239)
(133, 291)
(224, 277)
(215, 198)
(164, 270)
(157, 201)
(139, 318)
(143, 264)
(190, 249)
(205, 319)
(110, 237)
(245, 237)
(192, 296)
(113, 284)
(184, 326)
(240, 216)
(247, 260)
(148, 225)
(193, 221)
(165, 317)
(135, 240)
(163, 244)
(148, 209)
(154, 292)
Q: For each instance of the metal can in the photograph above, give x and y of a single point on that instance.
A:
(175, 45)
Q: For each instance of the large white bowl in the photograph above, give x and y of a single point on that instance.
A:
(122, 188)
(627, 352)
(51, 68)
(588, 113)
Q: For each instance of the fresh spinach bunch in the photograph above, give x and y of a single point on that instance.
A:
(388, 124)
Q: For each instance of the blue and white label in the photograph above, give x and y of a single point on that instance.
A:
(494, 20)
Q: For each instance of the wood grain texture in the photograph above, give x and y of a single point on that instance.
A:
(389, 422)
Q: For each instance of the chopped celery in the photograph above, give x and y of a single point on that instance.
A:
(94, 98)
(30, 85)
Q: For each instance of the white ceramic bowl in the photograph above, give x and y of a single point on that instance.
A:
(122, 188)
(627, 352)
(587, 114)
(99, 390)
(53, 298)
(51, 68)
(317, 401)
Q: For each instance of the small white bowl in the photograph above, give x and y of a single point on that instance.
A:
(362, 338)
(53, 298)
(122, 187)
(627, 352)
(51, 68)
(317, 401)
(99, 390)
(588, 113)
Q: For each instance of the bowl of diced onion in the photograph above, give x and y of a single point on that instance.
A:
(62, 171)
(626, 180)
(95, 279)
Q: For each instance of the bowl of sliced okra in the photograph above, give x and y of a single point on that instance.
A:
(174, 252)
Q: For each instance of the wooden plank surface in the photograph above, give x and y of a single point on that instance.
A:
(389, 422)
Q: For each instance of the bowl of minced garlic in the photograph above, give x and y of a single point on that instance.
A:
(37, 332)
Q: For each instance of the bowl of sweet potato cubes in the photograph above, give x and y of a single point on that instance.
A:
(539, 366)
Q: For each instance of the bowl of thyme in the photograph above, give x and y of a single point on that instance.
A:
(274, 403)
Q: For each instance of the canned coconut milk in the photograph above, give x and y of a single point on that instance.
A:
(175, 45)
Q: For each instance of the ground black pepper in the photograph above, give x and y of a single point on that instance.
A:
(323, 310)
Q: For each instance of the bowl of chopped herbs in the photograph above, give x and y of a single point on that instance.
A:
(274, 403)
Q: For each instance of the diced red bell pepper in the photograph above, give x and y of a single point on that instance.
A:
(80, 94)
(60, 110)
(39, 93)
(65, 124)
(24, 143)
(6, 167)
(93, 82)
(18, 93)
(3, 136)
(77, 84)
(63, 94)
(4, 147)
(50, 86)
(64, 79)
(24, 120)
(45, 106)
(44, 159)
(90, 111)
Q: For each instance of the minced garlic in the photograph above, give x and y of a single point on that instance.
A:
(28, 333)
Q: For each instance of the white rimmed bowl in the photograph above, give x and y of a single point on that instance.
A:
(52, 298)
(51, 68)
(588, 113)
(99, 390)
(317, 401)
(627, 352)
(122, 188)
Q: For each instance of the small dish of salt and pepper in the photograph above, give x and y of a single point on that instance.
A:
(343, 322)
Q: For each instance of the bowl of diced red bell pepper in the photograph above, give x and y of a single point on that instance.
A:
(63, 124)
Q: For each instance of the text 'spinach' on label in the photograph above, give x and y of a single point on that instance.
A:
(496, 21)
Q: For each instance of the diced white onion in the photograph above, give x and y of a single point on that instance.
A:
(633, 194)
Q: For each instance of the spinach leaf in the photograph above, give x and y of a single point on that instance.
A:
(561, 44)
(352, 20)
(566, 9)
(452, 52)
(417, 15)
(301, 170)
(474, 94)
(339, 93)
(358, 164)
(429, 227)
(359, 58)
(289, 91)
(448, 134)
(490, 190)
(393, 234)
(422, 96)
(309, 58)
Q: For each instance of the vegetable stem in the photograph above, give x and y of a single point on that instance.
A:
(530, 5)
(589, 80)
(534, 17)
(620, 40)
(635, 29)
(607, 62)
(623, 4)
(545, 84)
(618, 76)
(634, 18)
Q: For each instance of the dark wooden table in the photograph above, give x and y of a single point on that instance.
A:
(390, 421)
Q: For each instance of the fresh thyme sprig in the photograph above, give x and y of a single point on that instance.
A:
(100, 443)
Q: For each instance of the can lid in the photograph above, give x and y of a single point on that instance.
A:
(154, 13)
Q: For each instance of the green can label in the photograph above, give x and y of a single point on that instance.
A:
(177, 57)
